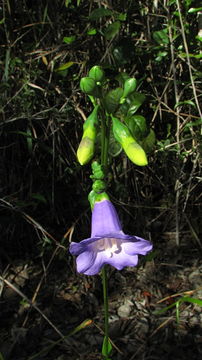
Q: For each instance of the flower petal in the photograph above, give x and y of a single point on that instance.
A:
(84, 261)
(97, 265)
(137, 245)
(121, 260)
(105, 219)
(118, 260)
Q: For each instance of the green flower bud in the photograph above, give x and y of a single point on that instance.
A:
(85, 150)
(92, 119)
(132, 149)
(135, 153)
(97, 74)
(129, 86)
(88, 85)
(120, 131)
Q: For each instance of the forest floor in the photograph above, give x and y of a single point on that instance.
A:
(62, 300)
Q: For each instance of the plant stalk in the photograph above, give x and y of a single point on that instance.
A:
(104, 163)
(106, 310)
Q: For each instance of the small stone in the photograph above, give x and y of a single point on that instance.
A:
(125, 309)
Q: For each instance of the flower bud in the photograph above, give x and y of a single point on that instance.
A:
(88, 85)
(85, 150)
(129, 86)
(135, 153)
(132, 149)
(97, 74)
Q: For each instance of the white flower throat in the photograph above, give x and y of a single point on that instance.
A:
(109, 245)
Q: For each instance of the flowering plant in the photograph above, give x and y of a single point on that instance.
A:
(108, 243)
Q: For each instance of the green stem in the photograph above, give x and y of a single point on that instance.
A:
(104, 163)
(106, 309)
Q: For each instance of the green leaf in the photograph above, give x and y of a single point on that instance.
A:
(161, 55)
(135, 101)
(198, 38)
(161, 37)
(112, 30)
(196, 56)
(69, 39)
(137, 125)
(92, 31)
(193, 123)
(106, 347)
(121, 17)
(157, 312)
(191, 300)
(40, 198)
(65, 66)
(112, 99)
(193, 10)
(99, 13)
(186, 102)
(149, 142)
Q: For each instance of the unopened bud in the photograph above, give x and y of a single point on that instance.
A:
(129, 86)
(88, 85)
(85, 150)
(132, 149)
(97, 74)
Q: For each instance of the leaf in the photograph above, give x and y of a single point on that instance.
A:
(111, 100)
(186, 102)
(135, 101)
(69, 39)
(197, 56)
(194, 123)
(157, 312)
(191, 300)
(149, 142)
(39, 197)
(121, 17)
(193, 10)
(137, 125)
(161, 55)
(112, 30)
(65, 66)
(92, 31)
(99, 13)
(106, 347)
(161, 37)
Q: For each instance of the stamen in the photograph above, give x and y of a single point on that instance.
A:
(109, 245)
